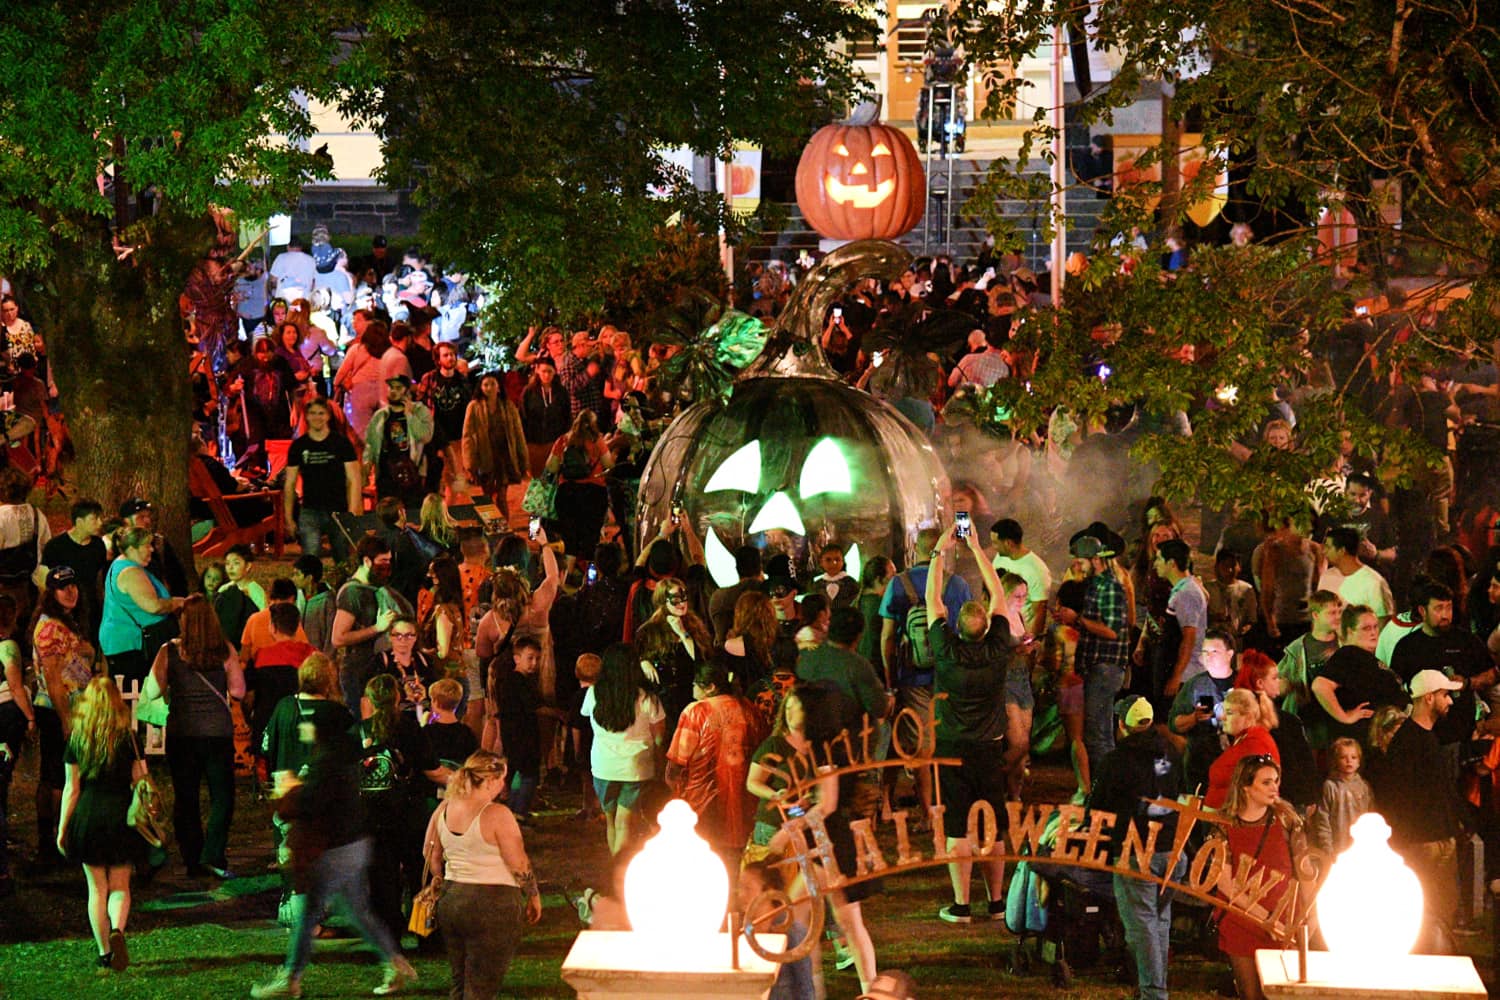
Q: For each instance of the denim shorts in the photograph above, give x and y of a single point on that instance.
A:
(1018, 689)
(618, 794)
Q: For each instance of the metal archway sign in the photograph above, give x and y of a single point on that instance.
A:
(1239, 885)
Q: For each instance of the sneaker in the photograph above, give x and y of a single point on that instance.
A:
(956, 913)
(223, 874)
(119, 955)
(997, 909)
(398, 974)
(584, 904)
(284, 984)
(843, 957)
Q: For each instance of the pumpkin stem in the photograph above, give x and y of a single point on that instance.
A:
(865, 113)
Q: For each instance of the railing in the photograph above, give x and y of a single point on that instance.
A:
(155, 743)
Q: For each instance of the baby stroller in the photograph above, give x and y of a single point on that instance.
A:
(1063, 917)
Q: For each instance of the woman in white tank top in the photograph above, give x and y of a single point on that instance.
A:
(474, 849)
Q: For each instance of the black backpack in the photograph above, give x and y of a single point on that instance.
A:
(575, 463)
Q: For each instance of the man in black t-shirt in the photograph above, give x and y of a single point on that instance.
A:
(970, 669)
(81, 549)
(1423, 808)
(396, 441)
(446, 391)
(1454, 652)
(1197, 712)
(332, 483)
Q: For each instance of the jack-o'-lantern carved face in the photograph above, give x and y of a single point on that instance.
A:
(863, 189)
(860, 180)
(796, 459)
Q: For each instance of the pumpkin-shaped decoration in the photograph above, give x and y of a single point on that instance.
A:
(795, 458)
(861, 180)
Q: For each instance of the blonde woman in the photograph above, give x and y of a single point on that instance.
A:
(436, 525)
(101, 770)
(474, 850)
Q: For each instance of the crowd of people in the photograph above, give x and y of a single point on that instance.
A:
(410, 702)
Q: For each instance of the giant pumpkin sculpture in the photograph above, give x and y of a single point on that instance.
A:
(860, 180)
(795, 458)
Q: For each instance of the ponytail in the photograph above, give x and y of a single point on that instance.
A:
(481, 766)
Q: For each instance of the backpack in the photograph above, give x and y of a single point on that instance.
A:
(576, 463)
(18, 561)
(1025, 909)
(381, 769)
(427, 549)
(914, 657)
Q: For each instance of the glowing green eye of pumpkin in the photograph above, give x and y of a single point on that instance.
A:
(778, 512)
(851, 561)
(826, 470)
(720, 560)
(740, 471)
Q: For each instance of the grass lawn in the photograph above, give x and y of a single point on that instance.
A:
(193, 940)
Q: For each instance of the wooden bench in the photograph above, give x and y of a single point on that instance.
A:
(226, 531)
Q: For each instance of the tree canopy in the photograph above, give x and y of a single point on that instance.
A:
(531, 133)
(1308, 105)
(121, 126)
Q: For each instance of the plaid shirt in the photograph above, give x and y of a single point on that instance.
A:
(984, 368)
(1105, 602)
(584, 393)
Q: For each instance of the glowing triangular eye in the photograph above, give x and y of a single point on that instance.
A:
(841, 150)
(720, 560)
(881, 149)
(740, 471)
(826, 470)
(779, 512)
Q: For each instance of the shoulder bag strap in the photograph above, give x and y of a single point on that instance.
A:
(222, 696)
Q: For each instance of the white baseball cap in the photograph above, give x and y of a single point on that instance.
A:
(1428, 681)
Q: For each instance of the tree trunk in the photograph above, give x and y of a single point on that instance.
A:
(116, 346)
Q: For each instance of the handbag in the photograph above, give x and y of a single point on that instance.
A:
(154, 711)
(424, 902)
(145, 813)
(1211, 925)
(541, 497)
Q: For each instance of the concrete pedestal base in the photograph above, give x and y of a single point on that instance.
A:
(619, 965)
(1336, 977)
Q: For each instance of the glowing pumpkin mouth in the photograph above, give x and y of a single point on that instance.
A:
(858, 195)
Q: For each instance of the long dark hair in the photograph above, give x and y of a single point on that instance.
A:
(449, 587)
(203, 642)
(50, 606)
(618, 688)
(385, 700)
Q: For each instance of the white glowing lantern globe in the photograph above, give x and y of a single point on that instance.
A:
(676, 887)
(1370, 906)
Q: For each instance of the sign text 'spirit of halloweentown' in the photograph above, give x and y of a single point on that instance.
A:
(1238, 884)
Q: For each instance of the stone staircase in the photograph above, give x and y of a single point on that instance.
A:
(964, 235)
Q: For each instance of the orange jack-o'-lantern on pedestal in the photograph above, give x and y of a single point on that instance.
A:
(861, 180)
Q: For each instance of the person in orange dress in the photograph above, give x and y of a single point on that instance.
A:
(709, 758)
